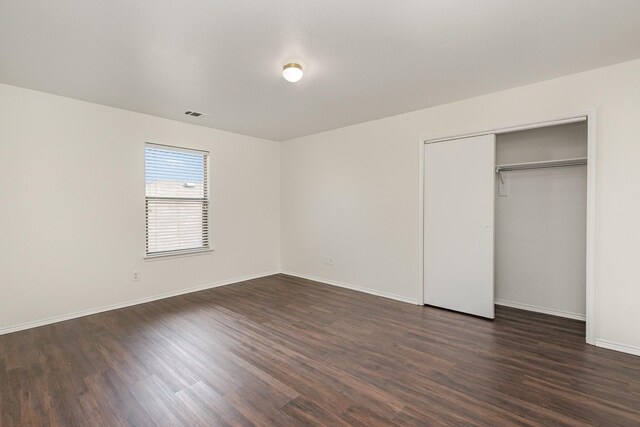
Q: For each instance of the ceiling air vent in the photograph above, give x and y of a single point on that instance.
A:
(193, 113)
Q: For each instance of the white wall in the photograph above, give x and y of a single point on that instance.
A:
(72, 221)
(353, 192)
(541, 223)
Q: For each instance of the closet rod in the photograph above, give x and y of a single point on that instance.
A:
(541, 165)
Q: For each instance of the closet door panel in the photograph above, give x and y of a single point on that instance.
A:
(458, 225)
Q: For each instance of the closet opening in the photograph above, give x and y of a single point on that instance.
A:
(541, 220)
(508, 220)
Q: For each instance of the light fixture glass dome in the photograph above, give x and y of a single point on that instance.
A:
(292, 72)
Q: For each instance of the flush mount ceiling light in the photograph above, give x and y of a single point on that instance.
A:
(292, 72)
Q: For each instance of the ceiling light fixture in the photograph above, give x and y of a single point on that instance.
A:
(292, 72)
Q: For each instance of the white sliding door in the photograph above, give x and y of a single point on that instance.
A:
(458, 224)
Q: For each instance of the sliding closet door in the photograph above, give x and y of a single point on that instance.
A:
(458, 224)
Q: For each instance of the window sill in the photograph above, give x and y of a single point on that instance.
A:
(197, 252)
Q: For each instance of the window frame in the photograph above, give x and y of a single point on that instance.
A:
(206, 200)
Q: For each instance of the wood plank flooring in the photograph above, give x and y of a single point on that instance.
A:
(286, 351)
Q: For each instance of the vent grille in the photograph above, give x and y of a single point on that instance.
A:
(193, 113)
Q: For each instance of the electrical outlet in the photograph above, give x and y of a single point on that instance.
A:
(136, 276)
(329, 261)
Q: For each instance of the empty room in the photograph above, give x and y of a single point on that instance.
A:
(332, 213)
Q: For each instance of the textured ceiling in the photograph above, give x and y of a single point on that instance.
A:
(363, 59)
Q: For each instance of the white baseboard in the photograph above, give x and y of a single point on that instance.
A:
(353, 287)
(610, 345)
(62, 318)
(543, 310)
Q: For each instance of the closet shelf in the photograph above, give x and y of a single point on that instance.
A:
(541, 165)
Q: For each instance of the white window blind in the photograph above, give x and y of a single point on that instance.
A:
(177, 200)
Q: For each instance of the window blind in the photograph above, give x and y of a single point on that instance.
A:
(177, 200)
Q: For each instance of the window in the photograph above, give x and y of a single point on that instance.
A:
(177, 200)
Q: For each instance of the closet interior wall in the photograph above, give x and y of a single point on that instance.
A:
(540, 229)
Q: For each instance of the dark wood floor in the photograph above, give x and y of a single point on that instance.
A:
(286, 351)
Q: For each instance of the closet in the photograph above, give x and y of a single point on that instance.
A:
(505, 221)
(541, 220)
